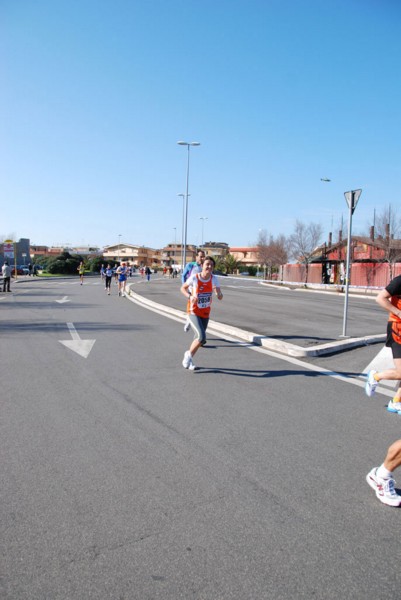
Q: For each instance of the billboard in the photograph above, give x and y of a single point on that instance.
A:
(8, 249)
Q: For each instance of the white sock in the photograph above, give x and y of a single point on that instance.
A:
(383, 473)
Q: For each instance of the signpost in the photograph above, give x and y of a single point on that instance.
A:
(352, 198)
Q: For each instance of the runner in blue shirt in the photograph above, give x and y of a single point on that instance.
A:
(122, 278)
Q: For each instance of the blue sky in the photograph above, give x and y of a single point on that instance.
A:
(280, 93)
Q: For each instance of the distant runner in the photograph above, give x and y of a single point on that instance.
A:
(81, 271)
(108, 274)
(122, 278)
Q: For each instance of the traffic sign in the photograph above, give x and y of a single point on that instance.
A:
(352, 198)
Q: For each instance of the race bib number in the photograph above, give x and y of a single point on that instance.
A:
(204, 300)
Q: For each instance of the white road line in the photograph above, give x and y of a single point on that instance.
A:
(245, 287)
(309, 367)
(382, 361)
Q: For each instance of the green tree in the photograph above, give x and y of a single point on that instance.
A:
(41, 260)
(220, 264)
(94, 264)
(231, 263)
(64, 264)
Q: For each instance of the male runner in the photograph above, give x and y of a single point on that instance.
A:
(381, 478)
(190, 269)
(390, 300)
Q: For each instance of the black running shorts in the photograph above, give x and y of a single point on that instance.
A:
(391, 343)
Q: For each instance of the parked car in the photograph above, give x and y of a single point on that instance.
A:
(19, 271)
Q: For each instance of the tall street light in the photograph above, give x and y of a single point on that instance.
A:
(188, 145)
(119, 238)
(182, 231)
(203, 219)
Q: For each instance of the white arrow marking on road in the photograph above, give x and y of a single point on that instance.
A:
(63, 300)
(81, 347)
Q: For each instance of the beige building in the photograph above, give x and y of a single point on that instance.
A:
(137, 256)
(247, 256)
(219, 249)
(172, 254)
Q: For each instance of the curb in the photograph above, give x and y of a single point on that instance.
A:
(260, 340)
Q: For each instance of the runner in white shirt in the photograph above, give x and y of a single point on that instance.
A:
(198, 289)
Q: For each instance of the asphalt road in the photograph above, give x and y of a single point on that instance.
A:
(125, 476)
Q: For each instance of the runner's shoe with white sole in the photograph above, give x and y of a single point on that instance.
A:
(187, 360)
(384, 488)
(394, 407)
(371, 384)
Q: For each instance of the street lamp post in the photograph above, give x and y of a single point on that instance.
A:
(203, 219)
(188, 145)
(118, 250)
(182, 231)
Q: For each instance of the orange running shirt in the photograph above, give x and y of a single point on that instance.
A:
(201, 295)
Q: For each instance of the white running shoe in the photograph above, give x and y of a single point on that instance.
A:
(394, 407)
(384, 488)
(371, 384)
(187, 360)
(187, 325)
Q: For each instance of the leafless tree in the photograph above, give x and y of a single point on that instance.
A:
(388, 222)
(304, 242)
(387, 233)
(272, 252)
(279, 250)
(263, 247)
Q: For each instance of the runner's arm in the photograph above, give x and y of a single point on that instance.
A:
(383, 299)
(216, 287)
(184, 290)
